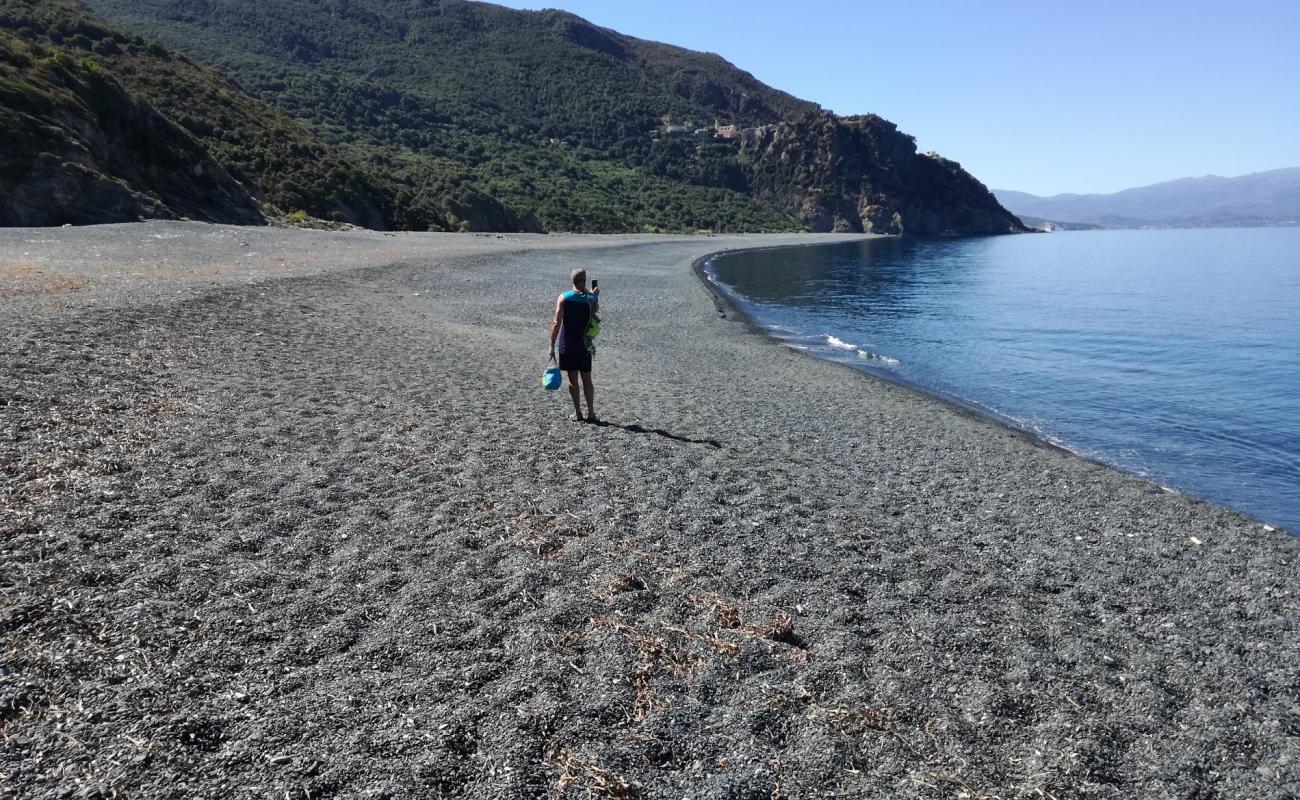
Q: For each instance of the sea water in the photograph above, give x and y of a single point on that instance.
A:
(1172, 354)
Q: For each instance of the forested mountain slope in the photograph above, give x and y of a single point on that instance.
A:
(589, 128)
(77, 147)
(456, 115)
(175, 136)
(542, 110)
(415, 72)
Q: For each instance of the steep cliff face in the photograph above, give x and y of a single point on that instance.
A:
(861, 174)
(79, 149)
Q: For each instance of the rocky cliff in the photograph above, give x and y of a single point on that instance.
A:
(862, 174)
(78, 148)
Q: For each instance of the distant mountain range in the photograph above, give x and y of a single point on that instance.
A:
(432, 115)
(1261, 199)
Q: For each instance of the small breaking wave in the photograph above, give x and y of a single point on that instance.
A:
(893, 362)
(840, 344)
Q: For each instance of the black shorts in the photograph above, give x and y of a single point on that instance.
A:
(580, 361)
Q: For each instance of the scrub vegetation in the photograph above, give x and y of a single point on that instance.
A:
(453, 116)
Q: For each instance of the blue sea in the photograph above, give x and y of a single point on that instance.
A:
(1172, 354)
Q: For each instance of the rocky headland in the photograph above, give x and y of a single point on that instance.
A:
(861, 174)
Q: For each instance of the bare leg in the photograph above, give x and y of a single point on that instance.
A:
(589, 389)
(573, 392)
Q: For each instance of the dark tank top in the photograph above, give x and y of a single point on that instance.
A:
(573, 324)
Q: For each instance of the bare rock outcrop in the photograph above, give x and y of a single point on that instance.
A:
(861, 174)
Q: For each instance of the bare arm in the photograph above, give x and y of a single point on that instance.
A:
(555, 323)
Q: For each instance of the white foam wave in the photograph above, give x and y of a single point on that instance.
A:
(893, 362)
(840, 344)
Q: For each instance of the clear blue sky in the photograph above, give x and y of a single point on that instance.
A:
(1045, 96)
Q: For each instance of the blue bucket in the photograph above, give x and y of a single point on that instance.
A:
(552, 378)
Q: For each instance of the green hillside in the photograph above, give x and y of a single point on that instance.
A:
(585, 127)
(456, 115)
(422, 73)
(542, 110)
(77, 148)
(278, 160)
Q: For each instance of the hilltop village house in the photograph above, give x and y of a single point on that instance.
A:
(717, 131)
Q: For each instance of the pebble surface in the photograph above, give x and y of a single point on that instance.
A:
(287, 513)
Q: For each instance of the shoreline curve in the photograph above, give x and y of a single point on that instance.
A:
(727, 304)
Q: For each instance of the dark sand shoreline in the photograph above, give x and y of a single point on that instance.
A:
(278, 525)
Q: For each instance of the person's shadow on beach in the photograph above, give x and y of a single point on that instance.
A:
(714, 443)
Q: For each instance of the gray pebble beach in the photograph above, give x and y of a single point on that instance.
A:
(288, 514)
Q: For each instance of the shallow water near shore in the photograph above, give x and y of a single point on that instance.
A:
(1173, 354)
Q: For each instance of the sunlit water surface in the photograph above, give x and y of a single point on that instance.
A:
(1171, 354)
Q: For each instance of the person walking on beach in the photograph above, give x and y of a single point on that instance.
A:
(573, 313)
